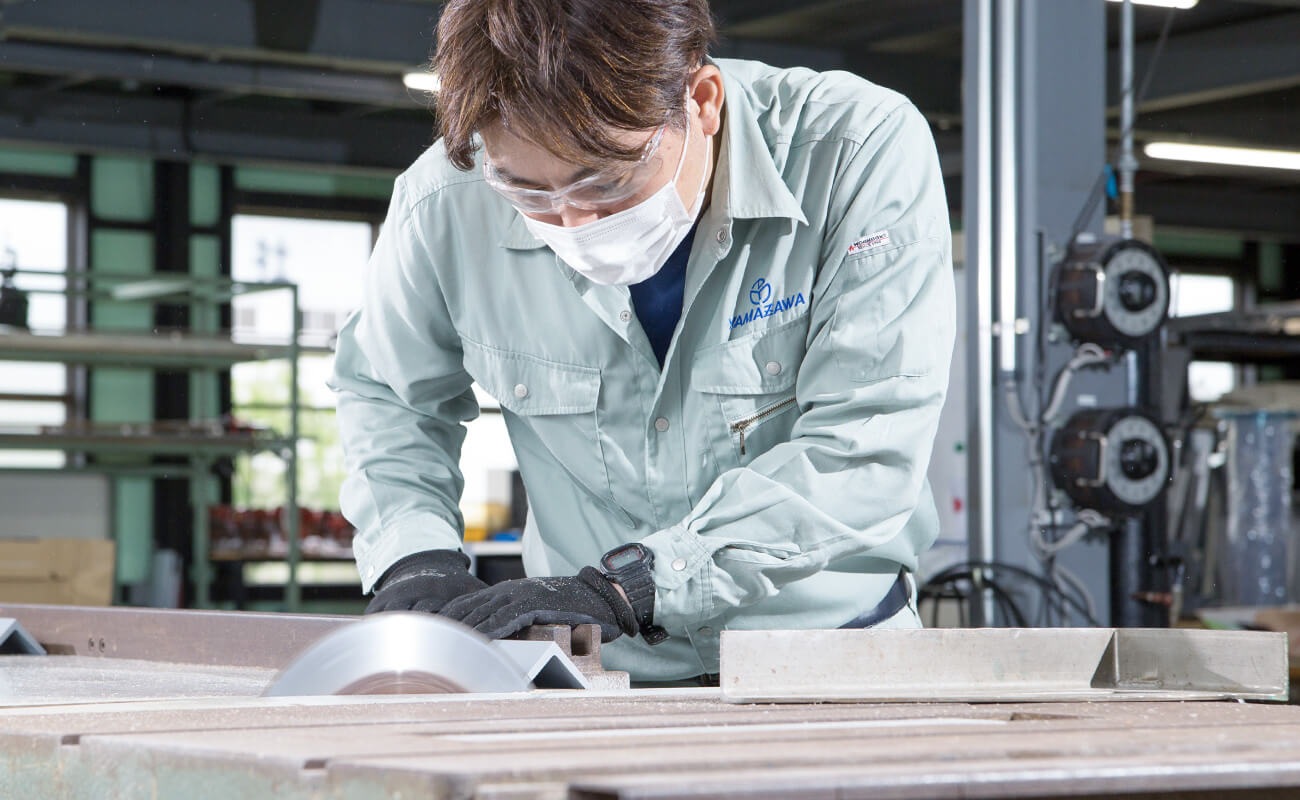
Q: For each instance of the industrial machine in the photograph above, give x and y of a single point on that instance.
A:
(1112, 293)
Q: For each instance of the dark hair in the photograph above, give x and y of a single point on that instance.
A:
(563, 73)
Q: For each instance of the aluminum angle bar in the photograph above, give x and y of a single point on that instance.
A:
(543, 663)
(412, 653)
(1002, 665)
(14, 641)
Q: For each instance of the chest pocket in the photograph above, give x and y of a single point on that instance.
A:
(557, 403)
(753, 379)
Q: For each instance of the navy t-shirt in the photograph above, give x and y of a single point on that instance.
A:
(658, 299)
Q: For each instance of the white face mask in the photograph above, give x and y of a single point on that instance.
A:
(632, 245)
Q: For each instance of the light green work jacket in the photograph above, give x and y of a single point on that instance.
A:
(775, 465)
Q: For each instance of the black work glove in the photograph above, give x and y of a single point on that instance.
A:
(424, 582)
(507, 608)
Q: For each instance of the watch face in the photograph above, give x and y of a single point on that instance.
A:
(622, 558)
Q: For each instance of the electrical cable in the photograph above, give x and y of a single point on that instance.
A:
(1005, 602)
(976, 567)
(1098, 188)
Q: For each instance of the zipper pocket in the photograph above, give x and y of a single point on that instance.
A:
(741, 425)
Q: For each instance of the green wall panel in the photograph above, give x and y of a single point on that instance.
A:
(37, 162)
(205, 195)
(205, 262)
(133, 522)
(1203, 245)
(121, 189)
(313, 182)
(1271, 266)
(121, 395)
(130, 252)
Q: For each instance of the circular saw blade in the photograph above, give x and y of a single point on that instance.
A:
(399, 653)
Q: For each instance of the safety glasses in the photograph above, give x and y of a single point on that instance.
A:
(592, 193)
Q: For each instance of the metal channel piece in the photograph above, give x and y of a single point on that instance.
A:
(1002, 665)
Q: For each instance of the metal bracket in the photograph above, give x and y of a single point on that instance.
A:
(1100, 480)
(1099, 300)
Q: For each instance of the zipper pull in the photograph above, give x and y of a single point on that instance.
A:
(742, 439)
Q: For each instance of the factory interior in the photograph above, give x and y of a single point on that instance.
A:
(190, 196)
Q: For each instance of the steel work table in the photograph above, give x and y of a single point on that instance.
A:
(641, 744)
(84, 725)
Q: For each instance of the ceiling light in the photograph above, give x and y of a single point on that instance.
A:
(1231, 156)
(1184, 4)
(422, 81)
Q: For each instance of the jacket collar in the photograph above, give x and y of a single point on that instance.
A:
(517, 236)
(753, 188)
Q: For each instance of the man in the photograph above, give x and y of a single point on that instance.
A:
(714, 300)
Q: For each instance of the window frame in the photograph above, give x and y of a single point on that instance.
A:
(73, 194)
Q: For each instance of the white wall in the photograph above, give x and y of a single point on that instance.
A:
(35, 505)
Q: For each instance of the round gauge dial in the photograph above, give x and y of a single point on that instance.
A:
(1137, 291)
(1137, 460)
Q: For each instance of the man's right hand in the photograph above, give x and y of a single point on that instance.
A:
(424, 582)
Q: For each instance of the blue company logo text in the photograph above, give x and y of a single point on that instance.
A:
(760, 296)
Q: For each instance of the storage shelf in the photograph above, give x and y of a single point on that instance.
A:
(205, 350)
(490, 549)
(152, 444)
(281, 555)
(133, 350)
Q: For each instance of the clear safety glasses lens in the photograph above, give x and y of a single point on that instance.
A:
(593, 194)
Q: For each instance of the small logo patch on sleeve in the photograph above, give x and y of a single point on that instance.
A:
(869, 242)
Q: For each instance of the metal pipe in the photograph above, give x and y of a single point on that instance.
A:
(1007, 194)
(201, 571)
(979, 265)
(1127, 160)
(292, 589)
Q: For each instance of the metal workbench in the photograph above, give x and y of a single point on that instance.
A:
(87, 725)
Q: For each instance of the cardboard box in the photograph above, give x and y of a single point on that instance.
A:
(75, 572)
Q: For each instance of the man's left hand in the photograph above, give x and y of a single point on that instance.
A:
(507, 608)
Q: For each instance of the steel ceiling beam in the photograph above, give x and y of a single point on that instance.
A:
(167, 129)
(1219, 64)
(162, 69)
(733, 14)
(381, 35)
(1244, 209)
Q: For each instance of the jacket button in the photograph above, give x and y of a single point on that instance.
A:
(626, 316)
(773, 368)
(661, 425)
(722, 235)
(679, 564)
(521, 391)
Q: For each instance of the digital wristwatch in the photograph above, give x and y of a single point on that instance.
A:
(631, 567)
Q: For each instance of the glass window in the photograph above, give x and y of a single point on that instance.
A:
(34, 236)
(1191, 294)
(327, 259)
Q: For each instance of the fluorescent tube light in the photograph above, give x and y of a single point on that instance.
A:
(1231, 156)
(422, 81)
(1183, 4)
